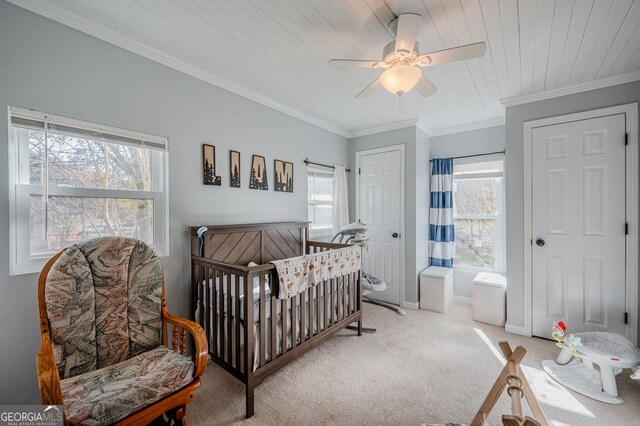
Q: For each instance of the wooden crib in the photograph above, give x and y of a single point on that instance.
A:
(245, 337)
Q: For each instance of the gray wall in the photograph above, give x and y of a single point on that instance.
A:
(516, 116)
(473, 142)
(417, 148)
(51, 68)
(421, 230)
(481, 141)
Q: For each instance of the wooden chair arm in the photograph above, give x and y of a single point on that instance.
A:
(201, 345)
(48, 378)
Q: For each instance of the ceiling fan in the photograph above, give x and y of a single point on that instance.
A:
(401, 60)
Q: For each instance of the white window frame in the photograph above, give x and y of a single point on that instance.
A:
(21, 260)
(322, 232)
(500, 216)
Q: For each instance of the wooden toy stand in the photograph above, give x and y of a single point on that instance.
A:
(512, 377)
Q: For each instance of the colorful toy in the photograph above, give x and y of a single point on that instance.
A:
(611, 353)
(559, 332)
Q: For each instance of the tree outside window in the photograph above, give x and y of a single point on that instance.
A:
(477, 191)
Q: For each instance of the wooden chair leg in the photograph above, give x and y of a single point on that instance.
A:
(181, 416)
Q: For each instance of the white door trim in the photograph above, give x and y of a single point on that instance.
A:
(391, 148)
(631, 114)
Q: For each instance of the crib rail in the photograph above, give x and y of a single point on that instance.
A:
(320, 246)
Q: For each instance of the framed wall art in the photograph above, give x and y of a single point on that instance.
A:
(234, 169)
(209, 165)
(258, 178)
(283, 179)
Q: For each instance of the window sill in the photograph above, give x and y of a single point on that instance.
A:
(324, 234)
(474, 269)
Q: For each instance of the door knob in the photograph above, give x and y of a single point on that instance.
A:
(540, 242)
(395, 235)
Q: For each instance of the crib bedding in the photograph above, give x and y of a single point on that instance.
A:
(296, 274)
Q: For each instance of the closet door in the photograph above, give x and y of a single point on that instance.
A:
(578, 224)
(380, 208)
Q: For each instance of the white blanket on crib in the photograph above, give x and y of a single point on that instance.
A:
(297, 273)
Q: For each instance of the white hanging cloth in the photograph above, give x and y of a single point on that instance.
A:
(340, 199)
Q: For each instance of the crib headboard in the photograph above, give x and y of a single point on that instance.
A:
(256, 242)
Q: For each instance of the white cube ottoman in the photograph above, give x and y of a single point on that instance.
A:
(489, 298)
(436, 289)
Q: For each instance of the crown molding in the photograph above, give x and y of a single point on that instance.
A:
(423, 126)
(469, 127)
(55, 13)
(569, 90)
(385, 128)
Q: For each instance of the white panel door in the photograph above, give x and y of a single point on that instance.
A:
(380, 209)
(578, 223)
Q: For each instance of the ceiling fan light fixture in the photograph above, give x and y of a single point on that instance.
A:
(400, 78)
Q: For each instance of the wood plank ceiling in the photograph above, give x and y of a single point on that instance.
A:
(278, 49)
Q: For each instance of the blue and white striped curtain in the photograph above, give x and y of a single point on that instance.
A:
(441, 228)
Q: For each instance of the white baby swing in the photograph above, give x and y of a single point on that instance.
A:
(354, 234)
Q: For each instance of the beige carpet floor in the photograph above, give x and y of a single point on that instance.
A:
(422, 368)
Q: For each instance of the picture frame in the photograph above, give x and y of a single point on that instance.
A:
(235, 170)
(258, 176)
(209, 166)
(283, 176)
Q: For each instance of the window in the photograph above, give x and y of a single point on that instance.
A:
(478, 215)
(320, 200)
(73, 180)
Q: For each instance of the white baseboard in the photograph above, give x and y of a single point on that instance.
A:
(411, 305)
(515, 329)
(462, 299)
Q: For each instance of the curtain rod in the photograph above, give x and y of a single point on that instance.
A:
(307, 162)
(475, 155)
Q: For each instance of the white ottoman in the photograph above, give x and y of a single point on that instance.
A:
(489, 298)
(436, 289)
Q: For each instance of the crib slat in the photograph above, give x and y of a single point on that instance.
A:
(229, 321)
(203, 298)
(213, 308)
(358, 291)
(345, 295)
(303, 313)
(263, 321)
(283, 317)
(311, 306)
(237, 321)
(326, 303)
(332, 301)
(294, 321)
(274, 324)
(223, 313)
(340, 297)
(318, 308)
(350, 291)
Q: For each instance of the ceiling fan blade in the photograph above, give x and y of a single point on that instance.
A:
(359, 63)
(445, 56)
(425, 87)
(407, 33)
(369, 89)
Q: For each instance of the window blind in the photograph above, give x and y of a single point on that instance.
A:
(32, 120)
